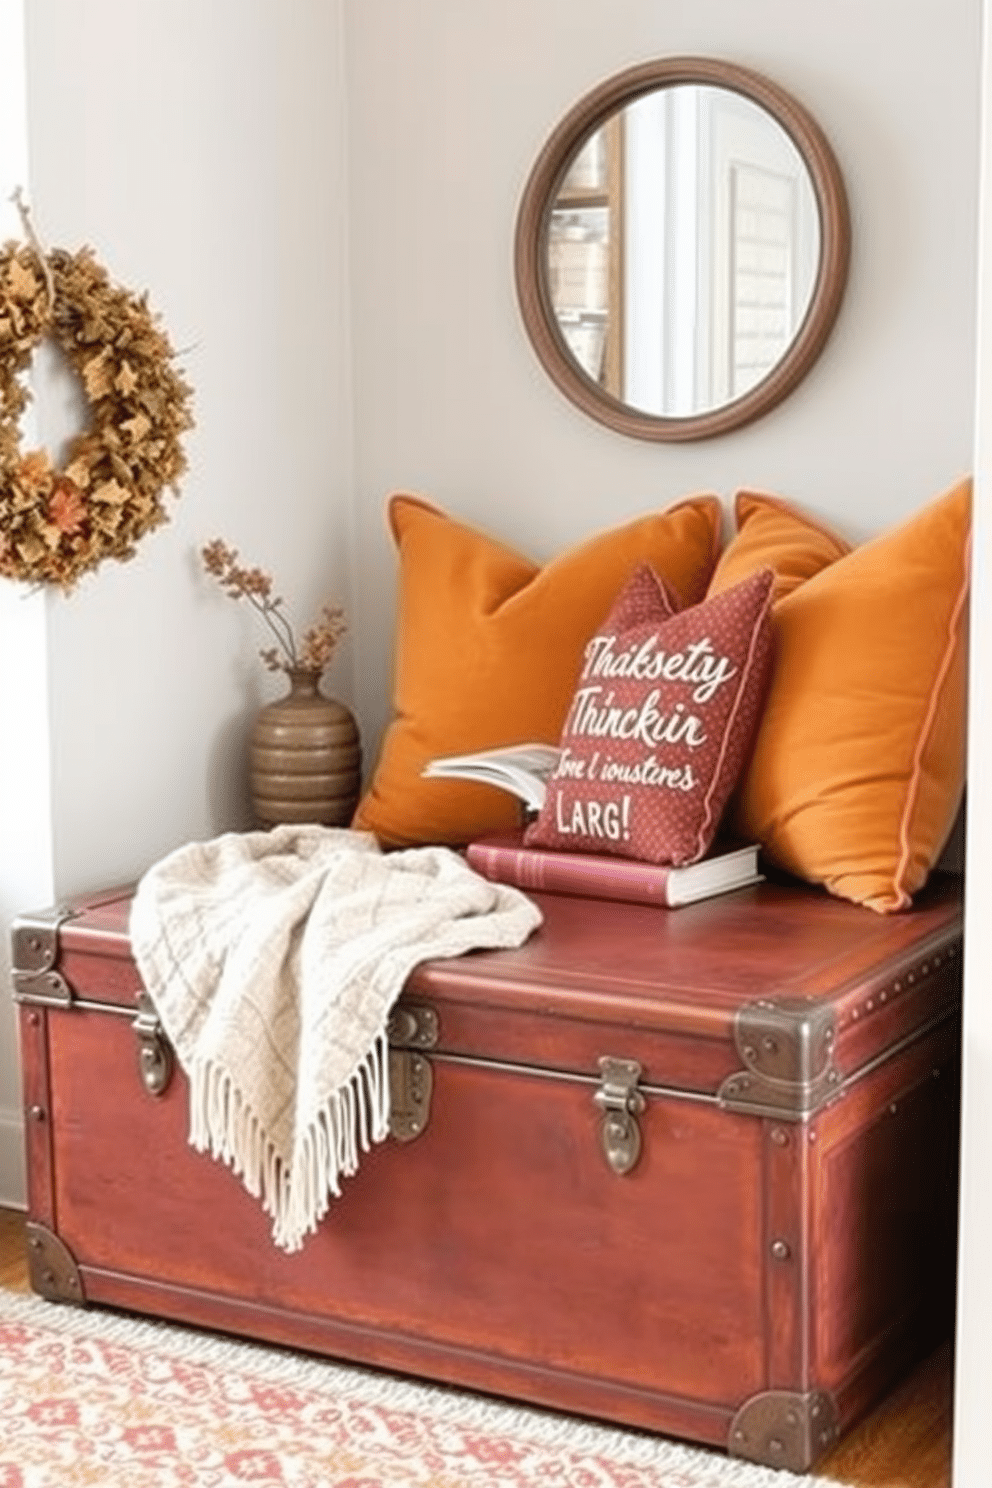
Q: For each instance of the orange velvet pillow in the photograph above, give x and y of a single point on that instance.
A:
(772, 533)
(858, 765)
(488, 648)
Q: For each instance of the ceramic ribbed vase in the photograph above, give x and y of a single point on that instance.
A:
(305, 757)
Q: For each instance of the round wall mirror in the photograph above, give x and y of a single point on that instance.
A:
(681, 249)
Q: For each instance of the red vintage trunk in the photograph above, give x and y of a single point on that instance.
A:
(688, 1170)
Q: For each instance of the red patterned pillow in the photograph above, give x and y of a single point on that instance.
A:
(660, 724)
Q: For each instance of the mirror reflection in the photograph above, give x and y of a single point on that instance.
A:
(681, 249)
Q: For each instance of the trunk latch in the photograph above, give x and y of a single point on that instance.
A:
(621, 1103)
(412, 1027)
(156, 1061)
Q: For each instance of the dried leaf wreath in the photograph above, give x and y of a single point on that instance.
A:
(57, 524)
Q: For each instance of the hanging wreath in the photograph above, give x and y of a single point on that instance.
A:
(58, 523)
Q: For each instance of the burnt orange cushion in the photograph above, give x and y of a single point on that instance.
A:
(858, 765)
(774, 534)
(489, 646)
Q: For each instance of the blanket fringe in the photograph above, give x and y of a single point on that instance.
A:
(295, 1198)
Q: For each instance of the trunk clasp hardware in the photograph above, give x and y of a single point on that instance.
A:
(621, 1103)
(412, 1028)
(156, 1060)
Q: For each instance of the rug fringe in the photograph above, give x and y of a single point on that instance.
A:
(296, 1197)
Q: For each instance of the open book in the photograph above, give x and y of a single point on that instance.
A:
(522, 769)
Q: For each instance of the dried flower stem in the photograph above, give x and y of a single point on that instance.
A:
(255, 585)
(271, 613)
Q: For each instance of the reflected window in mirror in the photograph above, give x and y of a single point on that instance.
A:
(682, 249)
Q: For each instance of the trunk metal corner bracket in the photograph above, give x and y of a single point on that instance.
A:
(784, 1429)
(52, 1266)
(786, 1047)
(34, 950)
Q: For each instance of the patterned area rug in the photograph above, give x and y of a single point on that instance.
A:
(95, 1398)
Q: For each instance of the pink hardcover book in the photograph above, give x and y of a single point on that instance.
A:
(504, 859)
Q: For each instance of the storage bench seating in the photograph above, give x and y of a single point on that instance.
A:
(692, 1171)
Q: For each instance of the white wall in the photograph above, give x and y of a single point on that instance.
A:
(449, 105)
(200, 150)
(25, 842)
(974, 1333)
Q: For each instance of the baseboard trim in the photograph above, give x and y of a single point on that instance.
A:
(13, 1181)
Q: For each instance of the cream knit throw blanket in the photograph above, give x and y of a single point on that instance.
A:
(273, 960)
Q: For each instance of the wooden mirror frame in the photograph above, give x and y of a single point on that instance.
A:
(541, 191)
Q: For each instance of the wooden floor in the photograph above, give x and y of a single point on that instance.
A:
(905, 1443)
(13, 1262)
